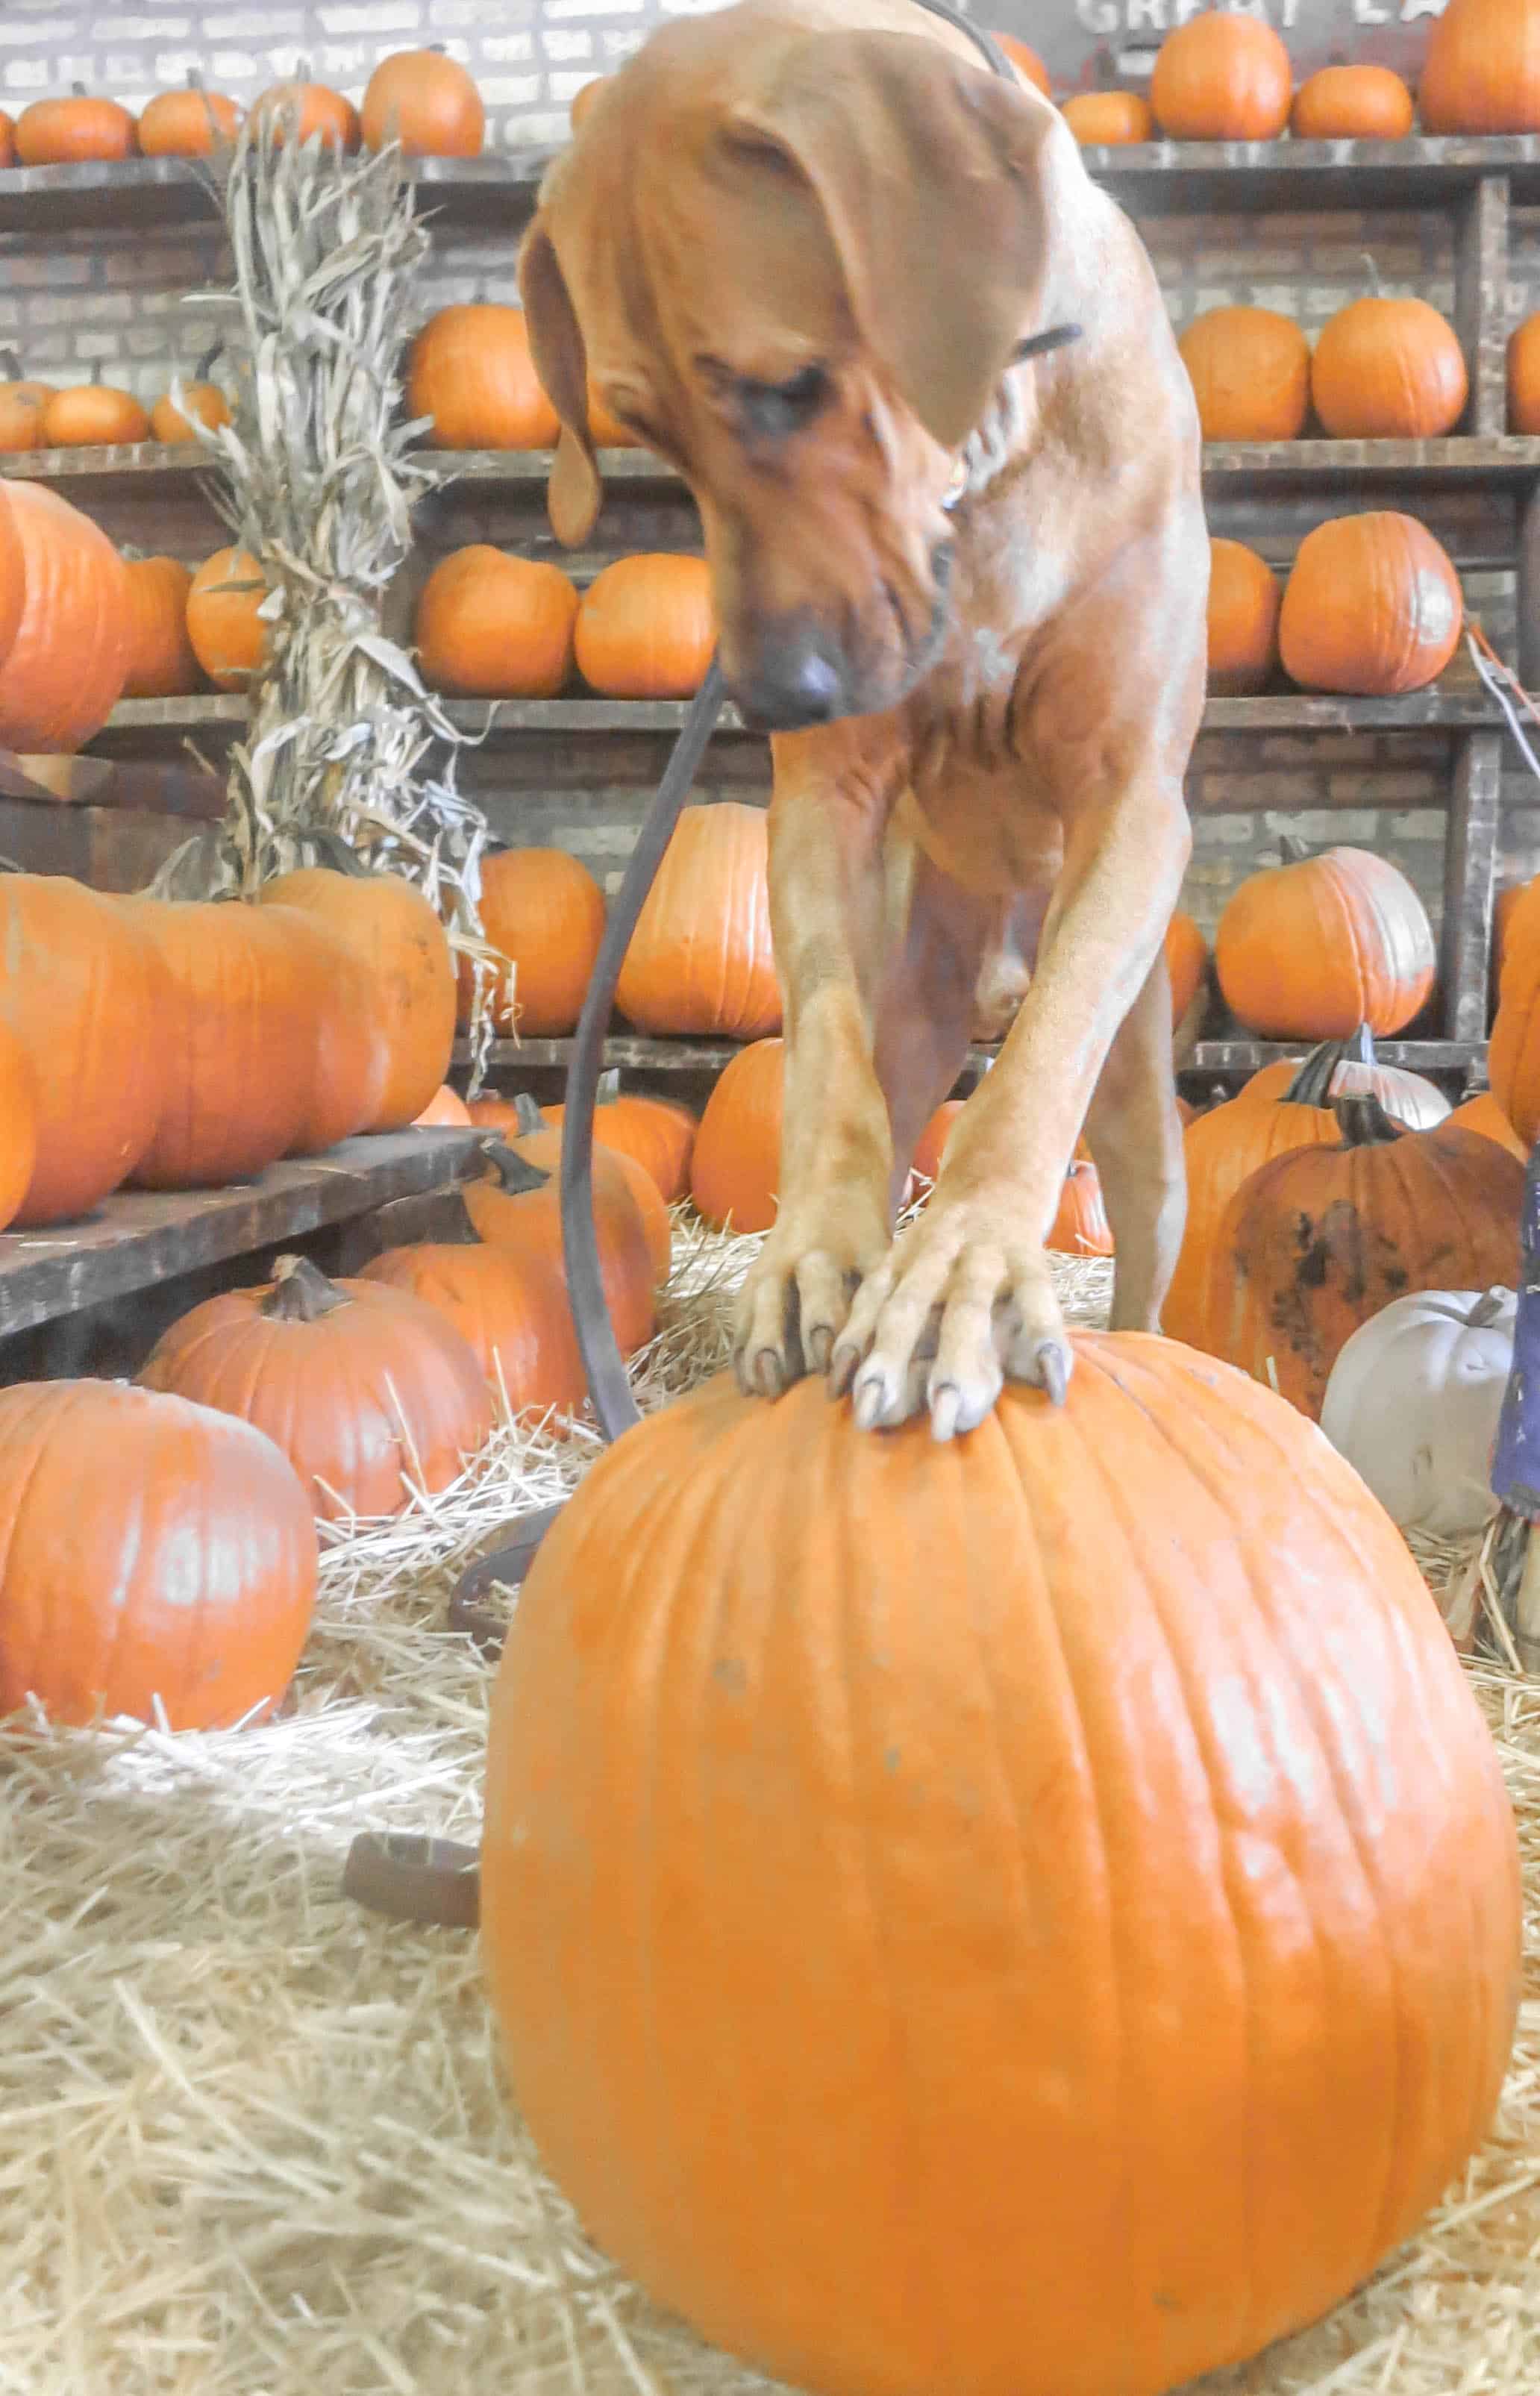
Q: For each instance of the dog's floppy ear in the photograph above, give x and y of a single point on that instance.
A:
(929, 173)
(556, 345)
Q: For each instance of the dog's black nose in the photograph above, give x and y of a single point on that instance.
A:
(792, 686)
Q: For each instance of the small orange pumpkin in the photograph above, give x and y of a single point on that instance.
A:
(7, 140)
(1107, 120)
(68, 132)
(1313, 947)
(1243, 602)
(22, 407)
(700, 958)
(202, 400)
(428, 102)
(492, 626)
(647, 628)
(92, 414)
(512, 1311)
(1079, 1227)
(229, 639)
(190, 124)
(471, 371)
(1482, 71)
(309, 111)
(1351, 104)
(735, 1173)
(1250, 368)
(162, 662)
(658, 1133)
(1222, 77)
(1387, 370)
(518, 1206)
(541, 909)
(445, 1106)
(1373, 604)
(1523, 376)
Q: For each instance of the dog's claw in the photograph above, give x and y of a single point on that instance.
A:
(843, 1366)
(768, 1378)
(871, 1403)
(945, 1405)
(820, 1347)
(1052, 1366)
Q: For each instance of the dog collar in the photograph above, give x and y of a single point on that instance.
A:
(1036, 345)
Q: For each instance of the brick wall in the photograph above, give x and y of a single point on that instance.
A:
(73, 301)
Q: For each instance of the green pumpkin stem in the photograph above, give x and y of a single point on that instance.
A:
(300, 1293)
(1364, 1123)
(1291, 851)
(526, 1112)
(514, 1174)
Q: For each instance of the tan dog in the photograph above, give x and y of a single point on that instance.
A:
(795, 246)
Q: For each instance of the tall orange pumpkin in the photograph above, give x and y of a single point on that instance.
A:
(428, 102)
(62, 674)
(1243, 601)
(1387, 369)
(492, 626)
(1523, 376)
(735, 1173)
(84, 994)
(156, 1559)
(1314, 947)
(1108, 120)
(1250, 370)
(647, 628)
(542, 908)
(1352, 103)
(471, 371)
(1316, 1242)
(1481, 72)
(1222, 78)
(987, 1926)
(229, 638)
(1373, 606)
(700, 958)
(162, 661)
(396, 935)
(18, 1124)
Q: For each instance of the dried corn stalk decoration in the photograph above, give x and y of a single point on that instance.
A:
(317, 477)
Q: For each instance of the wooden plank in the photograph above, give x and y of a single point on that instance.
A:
(1528, 595)
(1193, 177)
(1244, 1056)
(499, 189)
(1481, 302)
(141, 1237)
(1470, 858)
(633, 1052)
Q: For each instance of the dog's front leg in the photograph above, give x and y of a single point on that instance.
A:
(828, 902)
(965, 1300)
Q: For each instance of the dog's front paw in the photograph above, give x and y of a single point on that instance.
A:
(960, 1308)
(796, 1297)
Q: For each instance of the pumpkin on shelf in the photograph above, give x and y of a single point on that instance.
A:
(735, 1172)
(427, 101)
(310, 111)
(1356, 1072)
(162, 662)
(1196, 1615)
(1108, 120)
(71, 132)
(1248, 368)
(369, 1391)
(7, 140)
(1373, 606)
(13, 577)
(158, 1560)
(512, 1311)
(517, 1205)
(471, 371)
(202, 402)
(62, 674)
(93, 415)
(396, 933)
(1318, 1241)
(542, 910)
(1523, 376)
(1316, 945)
(193, 123)
(1352, 103)
(445, 1108)
(647, 628)
(700, 958)
(658, 1134)
(18, 1124)
(1413, 1404)
(229, 635)
(1222, 78)
(1243, 601)
(22, 406)
(345, 1073)
(1482, 70)
(1025, 59)
(1079, 1227)
(1387, 369)
(492, 626)
(1482, 1114)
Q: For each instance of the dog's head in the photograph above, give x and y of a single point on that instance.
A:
(796, 265)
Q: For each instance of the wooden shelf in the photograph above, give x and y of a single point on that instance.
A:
(497, 190)
(635, 1053)
(1195, 178)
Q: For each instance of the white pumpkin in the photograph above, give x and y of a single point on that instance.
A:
(1413, 1400)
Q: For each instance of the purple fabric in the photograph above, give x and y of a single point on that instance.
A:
(1516, 1457)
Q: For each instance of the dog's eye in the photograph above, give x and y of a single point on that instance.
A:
(774, 409)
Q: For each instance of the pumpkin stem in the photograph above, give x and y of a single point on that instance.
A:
(608, 1089)
(1311, 1085)
(1364, 1123)
(10, 365)
(1376, 290)
(300, 1293)
(1291, 851)
(514, 1174)
(96, 376)
(1488, 1306)
(79, 91)
(527, 1113)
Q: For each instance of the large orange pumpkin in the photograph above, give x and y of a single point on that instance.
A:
(1243, 601)
(162, 661)
(512, 1311)
(156, 1559)
(13, 577)
(647, 628)
(542, 908)
(1315, 1243)
(1387, 370)
(1250, 369)
(1222, 78)
(68, 132)
(492, 626)
(700, 958)
(1314, 947)
(85, 993)
(1351, 104)
(428, 102)
(1481, 72)
(864, 1966)
(229, 639)
(1108, 120)
(63, 673)
(237, 1028)
(1373, 606)
(471, 371)
(517, 1206)
(658, 1133)
(312, 111)
(396, 935)
(190, 124)
(18, 1123)
(93, 415)
(1523, 376)
(22, 406)
(735, 1172)
(351, 1057)
(369, 1392)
